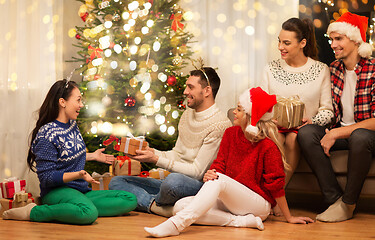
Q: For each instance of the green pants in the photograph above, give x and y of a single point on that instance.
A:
(68, 205)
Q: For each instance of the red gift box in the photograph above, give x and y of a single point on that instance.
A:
(123, 165)
(12, 186)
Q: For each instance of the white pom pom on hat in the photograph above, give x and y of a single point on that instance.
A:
(354, 27)
(259, 105)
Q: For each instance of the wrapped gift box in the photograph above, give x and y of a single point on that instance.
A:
(20, 199)
(11, 186)
(123, 165)
(158, 173)
(103, 180)
(129, 145)
(288, 112)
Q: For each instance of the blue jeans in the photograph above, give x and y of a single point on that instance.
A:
(164, 192)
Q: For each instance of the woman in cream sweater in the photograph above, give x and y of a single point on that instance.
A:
(298, 72)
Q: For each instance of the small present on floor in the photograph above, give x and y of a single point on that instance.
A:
(103, 180)
(158, 173)
(11, 186)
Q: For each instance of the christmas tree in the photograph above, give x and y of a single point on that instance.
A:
(132, 53)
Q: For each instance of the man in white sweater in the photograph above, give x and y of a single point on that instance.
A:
(201, 128)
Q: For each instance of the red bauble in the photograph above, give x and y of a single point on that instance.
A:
(129, 102)
(78, 36)
(171, 80)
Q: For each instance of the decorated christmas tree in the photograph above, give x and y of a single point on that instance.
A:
(132, 53)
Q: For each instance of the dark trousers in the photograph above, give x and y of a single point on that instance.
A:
(361, 146)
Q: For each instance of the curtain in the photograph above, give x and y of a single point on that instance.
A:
(238, 38)
(30, 62)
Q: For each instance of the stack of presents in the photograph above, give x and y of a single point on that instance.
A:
(124, 165)
(13, 195)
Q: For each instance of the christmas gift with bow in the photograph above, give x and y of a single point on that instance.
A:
(103, 180)
(288, 112)
(11, 186)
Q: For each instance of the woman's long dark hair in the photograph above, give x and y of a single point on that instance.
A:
(304, 29)
(49, 111)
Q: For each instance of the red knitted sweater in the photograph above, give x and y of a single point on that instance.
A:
(258, 165)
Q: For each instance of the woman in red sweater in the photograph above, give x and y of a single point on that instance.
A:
(247, 178)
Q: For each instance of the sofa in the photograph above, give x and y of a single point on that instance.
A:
(304, 180)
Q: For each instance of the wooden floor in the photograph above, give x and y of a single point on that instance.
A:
(131, 227)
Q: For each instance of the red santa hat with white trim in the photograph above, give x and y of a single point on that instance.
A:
(259, 105)
(354, 27)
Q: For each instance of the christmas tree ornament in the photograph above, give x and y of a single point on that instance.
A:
(176, 22)
(106, 101)
(84, 16)
(108, 17)
(78, 36)
(171, 81)
(177, 60)
(103, 4)
(129, 102)
(133, 82)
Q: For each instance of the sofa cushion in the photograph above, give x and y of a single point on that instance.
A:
(339, 161)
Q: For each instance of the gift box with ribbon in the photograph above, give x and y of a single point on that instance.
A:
(103, 180)
(128, 145)
(11, 186)
(158, 173)
(288, 112)
(20, 199)
(123, 165)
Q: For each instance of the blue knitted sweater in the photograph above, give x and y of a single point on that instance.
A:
(59, 148)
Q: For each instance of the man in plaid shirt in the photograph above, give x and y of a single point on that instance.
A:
(353, 92)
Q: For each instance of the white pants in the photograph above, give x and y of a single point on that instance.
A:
(218, 202)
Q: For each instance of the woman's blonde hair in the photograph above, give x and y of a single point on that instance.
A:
(268, 129)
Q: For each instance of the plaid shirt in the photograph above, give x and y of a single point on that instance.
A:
(364, 101)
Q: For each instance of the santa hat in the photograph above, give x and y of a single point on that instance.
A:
(259, 105)
(354, 27)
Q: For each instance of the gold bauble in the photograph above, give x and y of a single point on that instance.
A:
(175, 41)
(133, 82)
(177, 60)
(108, 17)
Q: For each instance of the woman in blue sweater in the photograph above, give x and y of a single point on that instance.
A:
(59, 154)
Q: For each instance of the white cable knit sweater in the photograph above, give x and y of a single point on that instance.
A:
(311, 82)
(198, 142)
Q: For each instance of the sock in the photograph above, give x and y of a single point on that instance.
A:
(21, 213)
(248, 220)
(164, 229)
(165, 211)
(337, 212)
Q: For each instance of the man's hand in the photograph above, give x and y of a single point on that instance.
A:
(210, 175)
(327, 141)
(147, 155)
